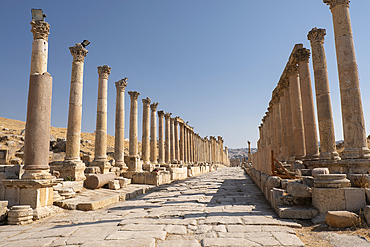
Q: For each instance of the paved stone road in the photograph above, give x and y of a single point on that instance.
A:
(221, 208)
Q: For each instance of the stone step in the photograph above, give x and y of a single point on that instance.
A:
(296, 212)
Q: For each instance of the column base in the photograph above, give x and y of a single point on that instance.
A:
(36, 174)
(34, 192)
(104, 165)
(311, 157)
(329, 156)
(356, 153)
(122, 165)
(73, 169)
(148, 167)
(134, 163)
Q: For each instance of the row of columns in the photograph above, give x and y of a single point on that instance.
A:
(289, 126)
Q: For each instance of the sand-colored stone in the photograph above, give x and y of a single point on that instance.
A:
(153, 133)
(161, 156)
(167, 152)
(145, 141)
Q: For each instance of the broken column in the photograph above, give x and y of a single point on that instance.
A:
(134, 159)
(167, 117)
(153, 133)
(73, 166)
(355, 144)
(328, 148)
(297, 117)
(100, 158)
(310, 132)
(161, 160)
(119, 137)
(145, 142)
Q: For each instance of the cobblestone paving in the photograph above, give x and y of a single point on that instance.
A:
(221, 208)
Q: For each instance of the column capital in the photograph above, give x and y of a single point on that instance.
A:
(78, 52)
(40, 30)
(167, 115)
(172, 119)
(316, 35)
(104, 71)
(292, 70)
(182, 124)
(302, 55)
(284, 83)
(154, 106)
(121, 84)
(335, 3)
(160, 114)
(146, 101)
(134, 95)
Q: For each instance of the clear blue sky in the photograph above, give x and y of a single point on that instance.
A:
(213, 63)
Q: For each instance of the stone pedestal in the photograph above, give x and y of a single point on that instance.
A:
(100, 158)
(119, 141)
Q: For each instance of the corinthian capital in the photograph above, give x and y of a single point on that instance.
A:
(167, 115)
(40, 29)
(146, 101)
(302, 55)
(78, 52)
(160, 114)
(121, 84)
(335, 3)
(292, 70)
(104, 71)
(154, 106)
(134, 95)
(316, 35)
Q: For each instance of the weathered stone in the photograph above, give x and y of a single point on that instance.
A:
(299, 190)
(355, 198)
(317, 171)
(307, 180)
(367, 214)
(328, 199)
(367, 192)
(273, 182)
(123, 181)
(179, 243)
(175, 229)
(331, 181)
(341, 219)
(114, 185)
(95, 181)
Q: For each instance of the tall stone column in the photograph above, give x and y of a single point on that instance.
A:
(323, 102)
(297, 117)
(172, 139)
(277, 122)
(167, 117)
(310, 132)
(72, 165)
(182, 142)
(355, 144)
(145, 141)
(119, 136)
(249, 152)
(100, 159)
(134, 162)
(287, 121)
(177, 144)
(186, 159)
(153, 133)
(161, 159)
(221, 148)
(191, 146)
(284, 148)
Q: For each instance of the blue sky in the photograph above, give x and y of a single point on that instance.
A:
(213, 63)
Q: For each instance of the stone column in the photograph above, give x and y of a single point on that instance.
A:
(39, 56)
(284, 148)
(355, 143)
(310, 132)
(182, 142)
(100, 159)
(145, 141)
(323, 101)
(297, 117)
(172, 139)
(191, 147)
(277, 121)
(153, 133)
(161, 160)
(221, 149)
(167, 117)
(177, 144)
(134, 162)
(119, 136)
(186, 160)
(72, 165)
(249, 152)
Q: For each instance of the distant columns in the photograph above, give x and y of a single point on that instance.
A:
(297, 117)
(287, 121)
(119, 137)
(153, 133)
(182, 142)
(167, 117)
(310, 133)
(186, 158)
(177, 144)
(355, 143)
(172, 139)
(101, 121)
(133, 146)
(161, 158)
(323, 101)
(145, 142)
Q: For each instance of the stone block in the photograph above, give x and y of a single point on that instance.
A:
(355, 198)
(92, 170)
(3, 210)
(308, 180)
(297, 212)
(367, 193)
(284, 183)
(296, 166)
(328, 199)
(299, 190)
(114, 185)
(273, 182)
(20, 215)
(317, 171)
(341, 219)
(331, 181)
(123, 181)
(74, 170)
(367, 214)
(304, 172)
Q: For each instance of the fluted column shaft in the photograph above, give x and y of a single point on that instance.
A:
(182, 142)
(284, 148)
(133, 147)
(167, 117)
(119, 137)
(177, 144)
(153, 133)
(323, 102)
(310, 132)
(172, 138)
(145, 140)
(161, 160)
(355, 142)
